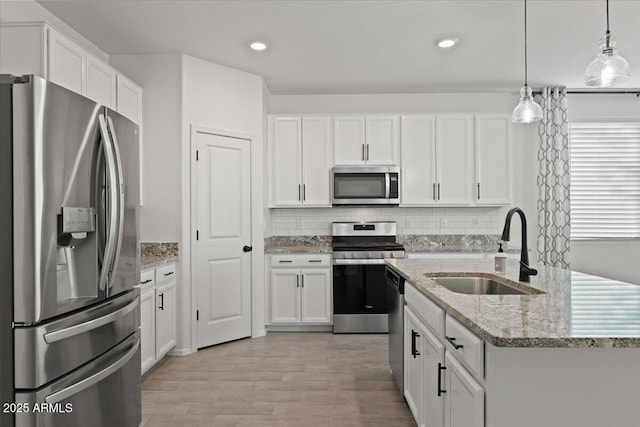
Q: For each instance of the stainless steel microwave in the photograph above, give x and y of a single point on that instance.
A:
(365, 185)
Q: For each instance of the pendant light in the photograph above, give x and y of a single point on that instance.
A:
(609, 68)
(527, 110)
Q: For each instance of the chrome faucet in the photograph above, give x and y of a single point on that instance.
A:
(525, 270)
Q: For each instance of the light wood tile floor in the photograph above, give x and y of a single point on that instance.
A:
(282, 379)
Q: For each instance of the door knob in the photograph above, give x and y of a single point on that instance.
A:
(247, 248)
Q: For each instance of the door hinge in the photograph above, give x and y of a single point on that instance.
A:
(197, 155)
(197, 234)
(197, 315)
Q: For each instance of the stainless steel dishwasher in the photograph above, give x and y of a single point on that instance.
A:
(395, 300)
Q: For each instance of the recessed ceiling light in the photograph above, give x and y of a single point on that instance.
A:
(447, 43)
(258, 45)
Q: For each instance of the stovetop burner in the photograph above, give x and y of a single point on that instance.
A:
(367, 246)
(365, 240)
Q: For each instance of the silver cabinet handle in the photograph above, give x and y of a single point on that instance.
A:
(109, 249)
(120, 193)
(65, 333)
(93, 379)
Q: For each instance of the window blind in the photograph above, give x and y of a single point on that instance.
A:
(605, 180)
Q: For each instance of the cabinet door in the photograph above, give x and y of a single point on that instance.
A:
(454, 151)
(285, 150)
(129, 99)
(493, 159)
(285, 296)
(316, 161)
(433, 377)
(316, 295)
(28, 56)
(165, 318)
(381, 140)
(464, 397)
(418, 143)
(413, 365)
(348, 141)
(67, 63)
(101, 82)
(147, 329)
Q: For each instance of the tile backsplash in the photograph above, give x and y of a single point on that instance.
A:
(317, 221)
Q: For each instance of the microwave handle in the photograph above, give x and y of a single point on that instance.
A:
(387, 185)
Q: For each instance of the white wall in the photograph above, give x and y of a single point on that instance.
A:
(224, 99)
(614, 259)
(161, 139)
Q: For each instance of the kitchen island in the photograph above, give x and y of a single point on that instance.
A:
(568, 354)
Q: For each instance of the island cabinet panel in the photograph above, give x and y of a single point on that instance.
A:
(585, 387)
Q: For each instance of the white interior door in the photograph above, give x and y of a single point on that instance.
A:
(223, 268)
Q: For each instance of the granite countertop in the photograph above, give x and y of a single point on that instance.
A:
(297, 244)
(574, 309)
(155, 254)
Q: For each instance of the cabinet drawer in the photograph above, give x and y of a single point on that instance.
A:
(470, 348)
(304, 261)
(427, 309)
(147, 279)
(165, 273)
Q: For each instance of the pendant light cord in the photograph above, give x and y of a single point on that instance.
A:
(525, 42)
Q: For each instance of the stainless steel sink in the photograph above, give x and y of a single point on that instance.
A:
(477, 286)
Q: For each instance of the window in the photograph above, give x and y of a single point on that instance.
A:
(605, 180)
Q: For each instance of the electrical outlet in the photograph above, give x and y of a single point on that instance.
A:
(444, 222)
(475, 221)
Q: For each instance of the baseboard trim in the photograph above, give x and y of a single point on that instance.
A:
(300, 328)
(180, 352)
(260, 333)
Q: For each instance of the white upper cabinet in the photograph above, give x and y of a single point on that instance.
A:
(299, 161)
(493, 159)
(418, 180)
(101, 82)
(316, 161)
(129, 99)
(454, 159)
(67, 63)
(349, 140)
(285, 151)
(366, 140)
(381, 140)
(437, 159)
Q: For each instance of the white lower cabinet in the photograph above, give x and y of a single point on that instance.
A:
(438, 387)
(157, 313)
(464, 396)
(300, 295)
(148, 329)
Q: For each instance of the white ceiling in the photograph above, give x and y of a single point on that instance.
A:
(369, 46)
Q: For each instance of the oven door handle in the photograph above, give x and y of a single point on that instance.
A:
(378, 261)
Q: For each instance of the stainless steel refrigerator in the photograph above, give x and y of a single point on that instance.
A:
(69, 313)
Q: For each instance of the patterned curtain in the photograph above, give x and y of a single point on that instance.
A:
(554, 215)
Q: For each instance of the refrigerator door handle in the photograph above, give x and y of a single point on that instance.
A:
(65, 333)
(109, 250)
(93, 379)
(120, 194)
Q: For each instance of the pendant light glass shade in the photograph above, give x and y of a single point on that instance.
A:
(527, 110)
(609, 68)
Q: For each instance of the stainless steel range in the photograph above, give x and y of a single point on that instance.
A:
(359, 283)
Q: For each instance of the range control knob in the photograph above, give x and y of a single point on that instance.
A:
(391, 255)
